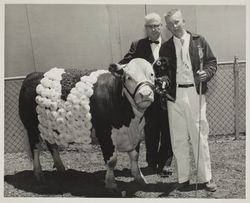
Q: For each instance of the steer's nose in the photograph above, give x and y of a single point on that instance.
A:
(146, 94)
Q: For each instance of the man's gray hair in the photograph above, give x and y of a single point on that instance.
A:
(151, 18)
(172, 12)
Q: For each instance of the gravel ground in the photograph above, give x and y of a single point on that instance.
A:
(86, 170)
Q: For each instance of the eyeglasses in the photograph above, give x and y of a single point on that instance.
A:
(153, 26)
(173, 24)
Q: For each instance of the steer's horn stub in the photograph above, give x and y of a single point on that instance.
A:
(116, 69)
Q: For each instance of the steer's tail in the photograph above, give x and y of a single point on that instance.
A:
(27, 110)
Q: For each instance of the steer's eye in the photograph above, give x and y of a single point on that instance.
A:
(152, 74)
(128, 77)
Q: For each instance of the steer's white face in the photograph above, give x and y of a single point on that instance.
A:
(139, 71)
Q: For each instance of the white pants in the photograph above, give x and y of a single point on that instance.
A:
(184, 128)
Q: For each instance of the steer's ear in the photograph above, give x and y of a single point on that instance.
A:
(116, 69)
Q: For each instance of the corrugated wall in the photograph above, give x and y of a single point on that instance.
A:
(38, 37)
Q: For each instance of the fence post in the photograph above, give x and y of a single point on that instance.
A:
(236, 97)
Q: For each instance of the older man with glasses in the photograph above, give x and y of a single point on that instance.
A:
(157, 136)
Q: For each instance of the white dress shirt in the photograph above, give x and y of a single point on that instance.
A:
(184, 73)
(156, 48)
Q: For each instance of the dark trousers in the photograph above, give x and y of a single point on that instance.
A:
(157, 136)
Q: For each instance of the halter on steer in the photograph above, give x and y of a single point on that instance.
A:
(140, 84)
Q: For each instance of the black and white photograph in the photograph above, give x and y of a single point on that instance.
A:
(143, 100)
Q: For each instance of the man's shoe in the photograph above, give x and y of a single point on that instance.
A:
(210, 186)
(183, 185)
(163, 173)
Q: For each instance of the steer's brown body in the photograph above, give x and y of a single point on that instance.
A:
(116, 100)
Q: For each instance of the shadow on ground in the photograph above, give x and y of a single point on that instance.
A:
(78, 183)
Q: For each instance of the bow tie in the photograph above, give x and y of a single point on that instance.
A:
(156, 42)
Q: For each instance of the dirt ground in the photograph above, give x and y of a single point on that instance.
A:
(86, 170)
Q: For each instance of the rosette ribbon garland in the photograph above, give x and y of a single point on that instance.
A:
(67, 121)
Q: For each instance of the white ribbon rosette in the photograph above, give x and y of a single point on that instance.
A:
(61, 112)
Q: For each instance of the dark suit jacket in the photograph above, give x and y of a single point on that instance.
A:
(209, 61)
(157, 136)
(139, 49)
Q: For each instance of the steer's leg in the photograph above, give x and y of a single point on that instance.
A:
(110, 183)
(135, 170)
(110, 157)
(35, 147)
(37, 165)
(53, 148)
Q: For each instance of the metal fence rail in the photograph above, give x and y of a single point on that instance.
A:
(221, 105)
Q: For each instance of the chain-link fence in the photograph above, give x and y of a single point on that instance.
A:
(220, 106)
(15, 139)
(221, 100)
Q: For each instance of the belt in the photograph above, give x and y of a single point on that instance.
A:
(184, 85)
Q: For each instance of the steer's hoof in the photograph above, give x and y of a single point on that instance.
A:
(113, 192)
(59, 167)
(39, 177)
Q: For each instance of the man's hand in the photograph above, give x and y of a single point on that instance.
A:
(202, 75)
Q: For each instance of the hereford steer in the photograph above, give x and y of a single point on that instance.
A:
(61, 106)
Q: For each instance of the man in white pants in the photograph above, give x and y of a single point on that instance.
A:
(186, 52)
